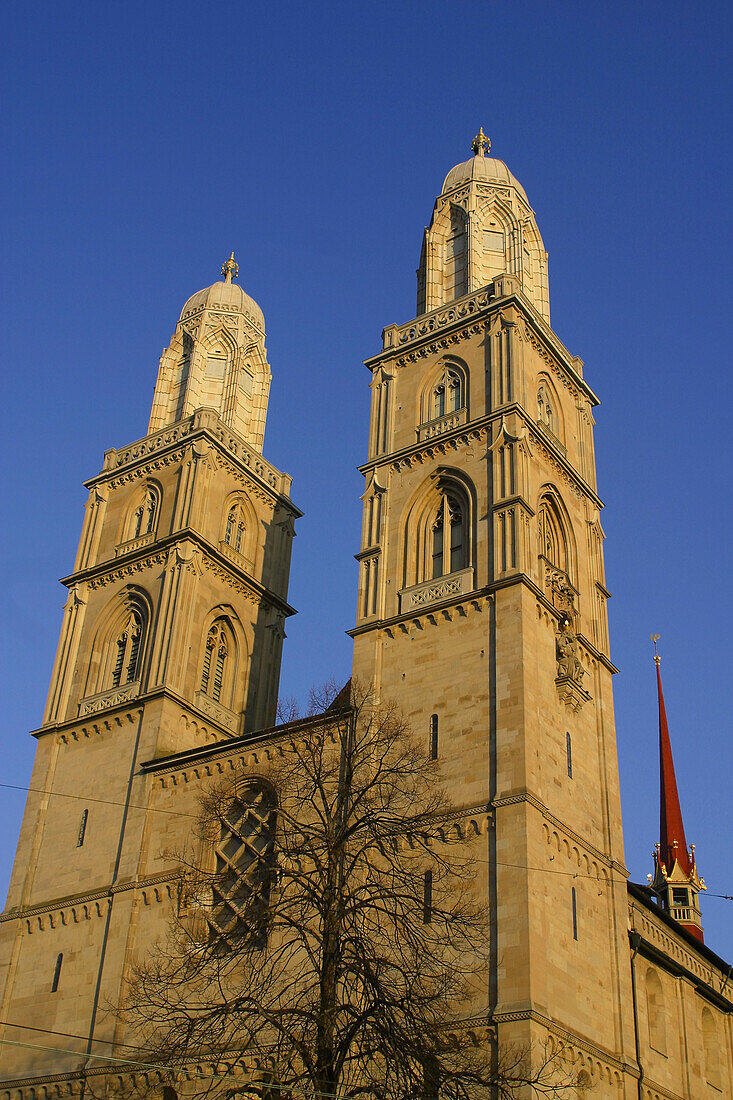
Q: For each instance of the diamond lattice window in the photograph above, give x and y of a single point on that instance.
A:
(245, 870)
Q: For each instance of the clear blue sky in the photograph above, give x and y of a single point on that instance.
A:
(143, 142)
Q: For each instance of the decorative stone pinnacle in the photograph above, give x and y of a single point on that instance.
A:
(230, 269)
(655, 639)
(481, 145)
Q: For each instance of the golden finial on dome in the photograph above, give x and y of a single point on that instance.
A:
(230, 269)
(481, 145)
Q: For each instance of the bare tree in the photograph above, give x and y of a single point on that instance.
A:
(337, 942)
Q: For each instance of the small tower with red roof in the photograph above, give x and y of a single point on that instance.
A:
(676, 881)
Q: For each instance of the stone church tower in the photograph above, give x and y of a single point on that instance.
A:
(171, 640)
(482, 602)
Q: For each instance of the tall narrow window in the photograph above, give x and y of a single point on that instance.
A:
(82, 828)
(449, 536)
(427, 898)
(447, 395)
(574, 901)
(127, 655)
(235, 530)
(433, 736)
(214, 668)
(57, 973)
(569, 754)
(143, 519)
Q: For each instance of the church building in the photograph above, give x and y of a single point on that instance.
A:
(481, 611)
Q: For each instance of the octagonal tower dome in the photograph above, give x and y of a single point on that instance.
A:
(216, 360)
(482, 227)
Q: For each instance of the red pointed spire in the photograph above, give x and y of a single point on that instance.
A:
(676, 881)
(672, 843)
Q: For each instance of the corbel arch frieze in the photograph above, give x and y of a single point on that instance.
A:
(99, 727)
(551, 362)
(223, 462)
(442, 448)
(130, 569)
(148, 469)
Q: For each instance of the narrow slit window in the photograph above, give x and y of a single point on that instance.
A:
(427, 898)
(82, 828)
(57, 973)
(575, 913)
(433, 736)
(569, 754)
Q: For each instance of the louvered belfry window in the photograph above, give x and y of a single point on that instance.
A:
(245, 870)
(128, 651)
(215, 656)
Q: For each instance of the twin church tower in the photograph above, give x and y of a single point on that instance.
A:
(481, 611)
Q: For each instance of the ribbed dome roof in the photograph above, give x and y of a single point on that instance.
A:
(485, 169)
(225, 294)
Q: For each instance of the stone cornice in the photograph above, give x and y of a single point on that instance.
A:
(83, 726)
(463, 436)
(159, 554)
(499, 1017)
(69, 901)
(474, 598)
(467, 316)
(145, 455)
(515, 798)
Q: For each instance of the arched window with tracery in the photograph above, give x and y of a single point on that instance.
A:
(128, 644)
(245, 869)
(236, 528)
(449, 535)
(655, 1012)
(445, 394)
(143, 516)
(552, 536)
(216, 665)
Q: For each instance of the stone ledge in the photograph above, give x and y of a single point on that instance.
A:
(113, 697)
(433, 591)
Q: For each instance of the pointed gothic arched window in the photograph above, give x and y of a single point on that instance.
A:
(449, 535)
(128, 645)
(236, 528)
(218, 663)
(143, 515)
(551, 535)
(446, 395)
(245, 869)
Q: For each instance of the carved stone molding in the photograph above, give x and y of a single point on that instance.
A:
(218, 713)
(435, 591)
(128, 570)
(134, 544)
(235, 557)
(571, 693)
(442, 424)
(439, 448)
(111, 698)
